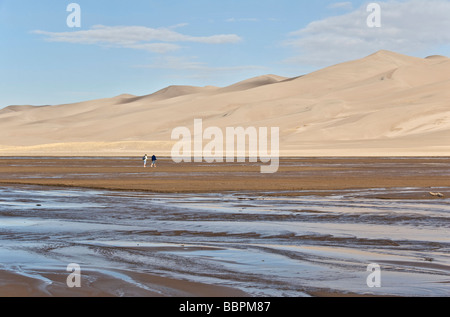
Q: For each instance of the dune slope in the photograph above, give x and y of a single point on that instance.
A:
(385, 104)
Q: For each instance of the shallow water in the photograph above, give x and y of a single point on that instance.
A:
(262, 244)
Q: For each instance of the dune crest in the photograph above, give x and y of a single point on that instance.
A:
(385, 104)
(253, 83)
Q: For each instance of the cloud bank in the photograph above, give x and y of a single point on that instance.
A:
(157, 40)
(407, 27)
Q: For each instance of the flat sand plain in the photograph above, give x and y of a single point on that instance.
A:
(296, 176)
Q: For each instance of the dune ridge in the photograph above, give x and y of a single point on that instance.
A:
(385, 104)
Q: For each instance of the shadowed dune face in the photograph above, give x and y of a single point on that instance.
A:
(384, 104)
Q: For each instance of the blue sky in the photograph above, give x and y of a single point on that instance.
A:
(139, 47)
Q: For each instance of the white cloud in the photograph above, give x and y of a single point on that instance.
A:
(407, 27)
(137, 37)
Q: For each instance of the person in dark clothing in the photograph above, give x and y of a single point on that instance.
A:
(154, 161)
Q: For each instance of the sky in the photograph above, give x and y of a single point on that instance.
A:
(140, 46)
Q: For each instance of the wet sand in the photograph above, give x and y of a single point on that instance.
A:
(313, 219)
(96, 284)
(294, 175)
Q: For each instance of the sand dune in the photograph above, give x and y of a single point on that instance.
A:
(383, 104)
(253, 83)
(175, 91)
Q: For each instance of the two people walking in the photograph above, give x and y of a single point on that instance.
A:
(145, 158)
